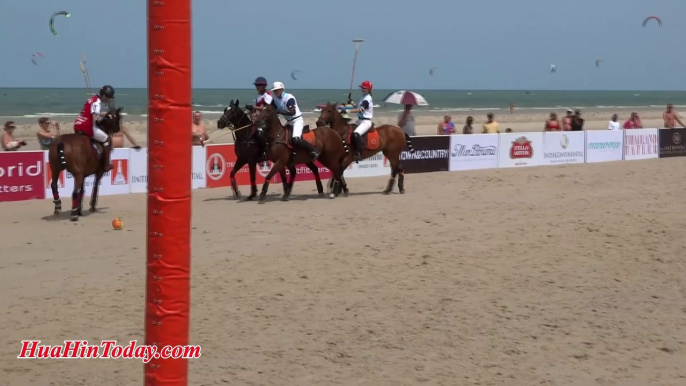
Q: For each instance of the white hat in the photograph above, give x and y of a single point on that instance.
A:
(278, 86)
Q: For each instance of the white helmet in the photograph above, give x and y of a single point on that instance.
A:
(278, 86)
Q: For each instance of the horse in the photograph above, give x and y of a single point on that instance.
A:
(389, 139)
(282, 153)
(81, 156)
(247, 152)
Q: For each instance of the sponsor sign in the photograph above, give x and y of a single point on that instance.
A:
(220, 160)
(604, 145)
(303, 173)
(22, 175)
(672, 142)
(476, 151)
(520, 149)
(641, 144)
(138, 161)
(369, 167)
(564, 147)
(116, 181)
(432, 155)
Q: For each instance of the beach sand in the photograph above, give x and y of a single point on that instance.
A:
(521, 121)
(557, 275)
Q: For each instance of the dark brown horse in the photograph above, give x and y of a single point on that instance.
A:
(247, 151)
(327, 141)
(81, 156)
(391, 142)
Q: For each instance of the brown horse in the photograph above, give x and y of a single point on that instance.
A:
(81, 156)
(391, 142)
(282, 154)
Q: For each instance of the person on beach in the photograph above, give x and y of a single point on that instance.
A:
(365, 114)
(198, 130)
(446, 127)
(552, 124)
(406, 121)
(577, 121)
(491, 126)
(118, 139)
(671, 117)
(468, 128)
(512, 107)
(567, 121)
(634, 122)
(8, 142)
(614, 123)
(86, 122)
(508, 130)
(49, 130)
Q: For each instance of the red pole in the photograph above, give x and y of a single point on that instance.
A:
(167, 300)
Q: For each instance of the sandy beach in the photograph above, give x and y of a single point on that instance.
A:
(558, 275)
(521, 121)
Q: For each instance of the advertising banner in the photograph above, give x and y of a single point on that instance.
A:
(369, 167)
(303, 173)
(604, 145)
(672, 143)
(564, 147)
(520, 149)
(138, 169)
(641, 144)
(22, 175)
(431, 155)
(221, 159)
(470, 152)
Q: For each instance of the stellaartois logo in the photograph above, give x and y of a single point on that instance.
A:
(521, 148)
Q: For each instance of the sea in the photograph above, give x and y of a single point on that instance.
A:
(60, 102)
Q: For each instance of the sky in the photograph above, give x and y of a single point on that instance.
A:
(484, 44)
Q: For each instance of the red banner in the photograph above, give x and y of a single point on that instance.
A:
(21, 176)
(220, 160)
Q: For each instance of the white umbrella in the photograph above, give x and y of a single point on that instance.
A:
(403, 97)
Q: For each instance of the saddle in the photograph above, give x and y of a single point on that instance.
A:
(308, 136)
(95, 145)
(370, 140)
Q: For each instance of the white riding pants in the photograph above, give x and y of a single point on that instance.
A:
(363, 126)
(298, 124)
(99, 135)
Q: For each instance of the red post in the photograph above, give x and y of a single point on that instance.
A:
(167, 300)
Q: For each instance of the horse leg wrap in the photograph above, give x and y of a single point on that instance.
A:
(74, 201)
(391, 184)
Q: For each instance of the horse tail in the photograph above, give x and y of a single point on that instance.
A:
(60, 154)
(409, 143)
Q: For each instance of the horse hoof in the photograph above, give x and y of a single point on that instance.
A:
(332, 195)
(237, 195)
(92, 209)
(402, 191)
(386, 192)
(250, 198)
(262, 198)
(284, 198)
(74, 218)
(345, 193)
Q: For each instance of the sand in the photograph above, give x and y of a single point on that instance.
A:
(558, 275)
(426, 124)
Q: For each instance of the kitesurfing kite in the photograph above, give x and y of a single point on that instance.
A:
(645, 22)
(35, 56)
(597, 62)
(52, 21)
(553, 68)
(431, 71)
(293, 74)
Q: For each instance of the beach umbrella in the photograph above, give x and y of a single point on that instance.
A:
(404, 97)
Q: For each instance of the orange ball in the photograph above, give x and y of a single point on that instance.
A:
(117, 224)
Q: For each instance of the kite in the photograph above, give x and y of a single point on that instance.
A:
(553, 68)
(52, 20)
(597, 62)
(431, 71)
(35, 56)
(293, 74)
(645, 22)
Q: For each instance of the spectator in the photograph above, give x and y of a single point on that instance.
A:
(671, 117)
(577, 121)
(8, 142)
(552, 124)
(634, 122)
(198, 130)
(512, 107)
(567, 121)
(406, 121)
(118, 138)
(491, 126)
(49, 130)
(446, 127)
(614, 123)
(468, 129)
(508, 130)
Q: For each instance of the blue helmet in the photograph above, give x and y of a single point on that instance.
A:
(260, 81)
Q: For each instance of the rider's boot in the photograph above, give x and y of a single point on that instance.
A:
(357, 139)
(308, 148)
